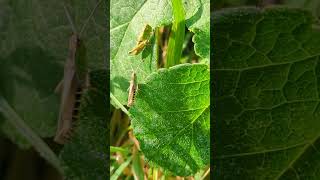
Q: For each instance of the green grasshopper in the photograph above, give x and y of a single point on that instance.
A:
(75, 81)
(143, 40)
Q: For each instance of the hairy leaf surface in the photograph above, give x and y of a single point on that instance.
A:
(170, 118)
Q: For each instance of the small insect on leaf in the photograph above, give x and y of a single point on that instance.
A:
(143, 40)
(132, 89)
(75, 81)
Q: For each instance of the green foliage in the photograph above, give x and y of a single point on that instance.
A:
(18, 124)
(34, 44)
(32, 24)
(128, 18)
(24, 87)
(86, 156)
(228, 3)
(266, 71)
(200, 26)
(177, 34)
(33, 48)
(118, 172)
(167, 101)
(312, 5)
(170, 118)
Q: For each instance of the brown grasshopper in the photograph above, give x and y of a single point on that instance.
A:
(132, 89)
(75, 81)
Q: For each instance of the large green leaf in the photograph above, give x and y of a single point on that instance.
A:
(86, 155)
(34, 45)
(128, 18)
(170, 118)
(31, 23)
(28, 88)
(266, 69)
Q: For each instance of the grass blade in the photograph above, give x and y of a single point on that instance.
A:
(137, 167)
(177, 34)
(117, 102)
(118, 172)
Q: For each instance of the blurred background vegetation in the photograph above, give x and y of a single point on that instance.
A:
(18, 164)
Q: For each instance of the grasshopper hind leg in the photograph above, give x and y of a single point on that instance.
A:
(64, 134)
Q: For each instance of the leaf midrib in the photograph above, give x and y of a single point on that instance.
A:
(261, 152)
(290, 165)
(267, 65)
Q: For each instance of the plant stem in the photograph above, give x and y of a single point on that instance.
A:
(155, 173)
(205, 174)
(117, 102)
(117, 149)
(15, 120)
(177, 34)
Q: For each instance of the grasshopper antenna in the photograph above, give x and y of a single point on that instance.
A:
(87, 20)
(69, 19)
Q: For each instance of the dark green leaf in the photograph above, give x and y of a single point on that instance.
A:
(312, 5)
(25, 88)
(266, 69)
(44, 24)
(37, 44)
